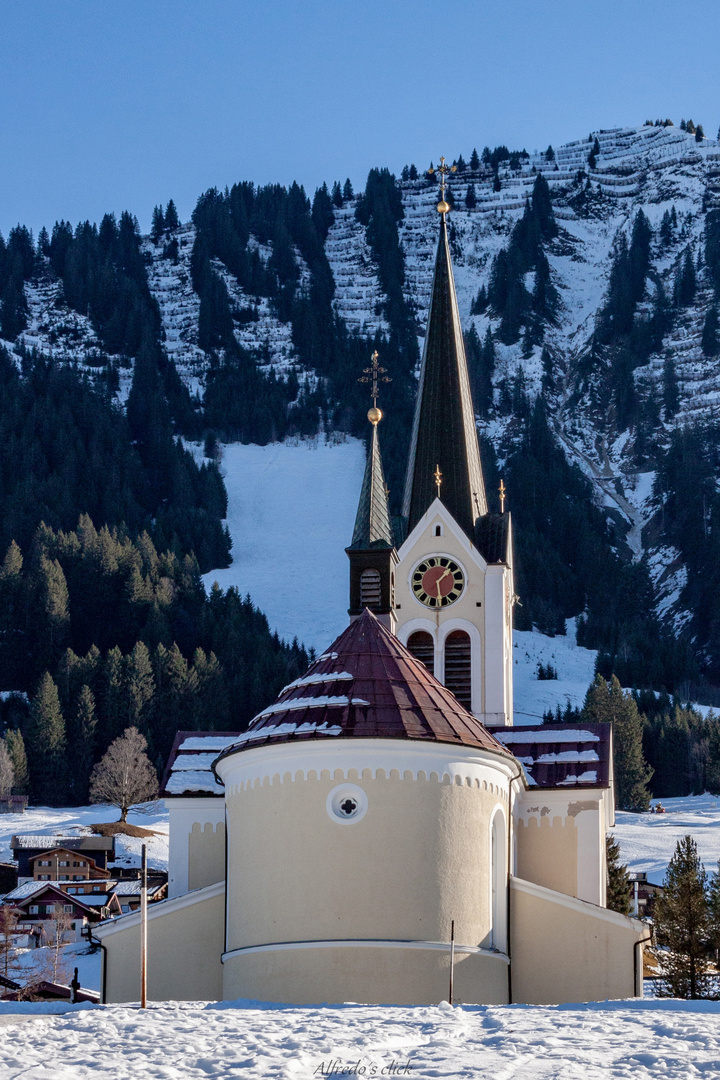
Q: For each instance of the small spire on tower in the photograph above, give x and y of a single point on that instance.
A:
(502, 489)
(373, 524)
(438, 479)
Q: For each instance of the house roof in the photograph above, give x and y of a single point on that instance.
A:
(188, 771)
(561, 755)
(48, 841)
(132, 888)
(444, 435)
(373, 528)
(20, 897)
(61, 851)
(367, 685)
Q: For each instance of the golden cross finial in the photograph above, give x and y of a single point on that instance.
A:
(375, 375)
(502, 490)
(438, 479)
(443, 168)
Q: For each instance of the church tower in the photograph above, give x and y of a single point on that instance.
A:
(372, 553)
(454, 578)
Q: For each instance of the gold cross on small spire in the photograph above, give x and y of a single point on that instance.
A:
(502, 490)
(443, 168)
(375, 374)
(438, 479)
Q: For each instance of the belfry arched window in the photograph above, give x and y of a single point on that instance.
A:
(422, 646)
(458, 666)
(370, 589)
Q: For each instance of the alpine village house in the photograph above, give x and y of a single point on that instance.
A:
(384, 799)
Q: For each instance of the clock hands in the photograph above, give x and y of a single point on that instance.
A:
(437, 583)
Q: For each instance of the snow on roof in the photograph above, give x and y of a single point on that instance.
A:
(47, 841)
(194, 762)
(545, 734)
(323, 702)
(206, 742)
(188, 780)
(574, 756)
(320, 677)
(547, 766)
(26, 889)
(132, 888)
(291, 729)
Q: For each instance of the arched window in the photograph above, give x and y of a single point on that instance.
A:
(370, 589)
(458, 666)
(422, 646)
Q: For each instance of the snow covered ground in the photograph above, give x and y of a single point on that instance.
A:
(185, 1041)
(76, 821)
(575, 668)
(647, 841)
(291, 513)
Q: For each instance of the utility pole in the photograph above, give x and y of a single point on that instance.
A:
(143, 928)
(452, 960)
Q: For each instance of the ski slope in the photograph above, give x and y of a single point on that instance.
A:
(291, 511)
(198, 1041)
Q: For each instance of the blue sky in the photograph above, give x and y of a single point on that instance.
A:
(119, 104)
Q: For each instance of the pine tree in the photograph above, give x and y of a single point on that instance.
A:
(671, 391)
(474, 161)
(172, 221)
(471, 197)
(710, 342)
(549, 154)
(618, 879)
(45, 742)
(16, 748)
(496, 181)
(682, 923)
(610, 704)
(413, 172)
(84, 742)
(158, 224)
(7, 772)
(337, 198)
(139, 687)
(348, 192)
(713, 898)
(699, 133)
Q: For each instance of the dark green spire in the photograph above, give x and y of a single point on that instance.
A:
(372, 524)
(444, 434)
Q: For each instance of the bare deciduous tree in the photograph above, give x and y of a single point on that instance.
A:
(7, 773)
(56, 936)
(125, 777)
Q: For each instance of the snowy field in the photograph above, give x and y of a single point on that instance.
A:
(185, 1041)
(647, 841)
(575, 668)
(291, 511)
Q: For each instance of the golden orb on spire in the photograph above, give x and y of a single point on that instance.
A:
(375, 415)
(443, 207)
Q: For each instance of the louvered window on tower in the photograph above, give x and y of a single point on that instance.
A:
(370, 589)
(422, 646)
(458, 666)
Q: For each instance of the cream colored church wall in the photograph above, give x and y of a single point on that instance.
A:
(564, 950)
(193, 821)
(547, 853)
(366, 973)
(417, 859)
(185, 943)
(206, 854)
(560, 840)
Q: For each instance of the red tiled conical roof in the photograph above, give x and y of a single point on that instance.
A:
(368, 686)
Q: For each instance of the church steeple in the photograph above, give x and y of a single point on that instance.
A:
(444, 434)
(372, 552)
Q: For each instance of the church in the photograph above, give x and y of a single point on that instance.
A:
(382, 828)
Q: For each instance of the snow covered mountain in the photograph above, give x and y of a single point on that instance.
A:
(597, 187)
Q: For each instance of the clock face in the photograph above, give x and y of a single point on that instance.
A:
(437, 581)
